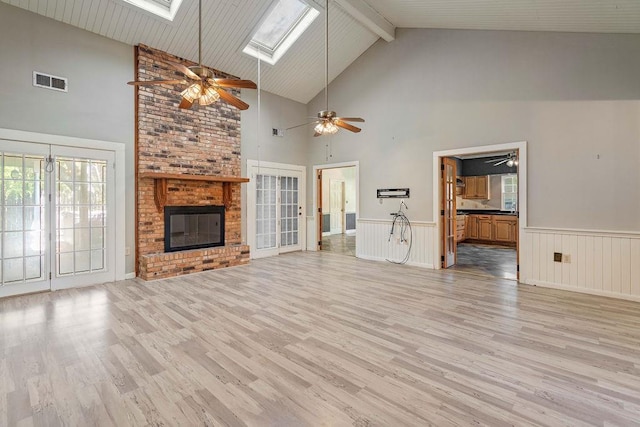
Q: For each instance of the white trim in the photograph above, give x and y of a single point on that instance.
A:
(130, 276)
(411, 263)
(118, 148)
(274, 165)
(23, 288)
(316, 168)
(601, 233)
(65, 141)
(587, 291)
(426, 223)
(521, 146)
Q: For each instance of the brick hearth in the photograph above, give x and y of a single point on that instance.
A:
(200, 141)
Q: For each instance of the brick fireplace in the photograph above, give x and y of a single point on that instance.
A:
(184, 158)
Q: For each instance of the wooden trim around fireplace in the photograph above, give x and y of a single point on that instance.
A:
(160, 187)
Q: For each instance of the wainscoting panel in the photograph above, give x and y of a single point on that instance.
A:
(372, 242)
(594, 262)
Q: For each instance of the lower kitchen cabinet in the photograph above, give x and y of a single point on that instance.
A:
(492, 228)
(485, 226)
(471, 230)
(504, 228)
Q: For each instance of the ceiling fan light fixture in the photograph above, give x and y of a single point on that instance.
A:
(193, 92)
(510, 163)
(326, 127)
(209, 96)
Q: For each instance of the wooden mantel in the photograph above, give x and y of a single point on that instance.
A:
(160, 187)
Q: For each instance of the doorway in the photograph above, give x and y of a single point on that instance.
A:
(337, 208)
(58, 214)
(480, 194)
(275, 217)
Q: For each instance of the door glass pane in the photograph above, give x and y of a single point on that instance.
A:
(265, 211)
(289, 211)
(22, 244)
(80, 215)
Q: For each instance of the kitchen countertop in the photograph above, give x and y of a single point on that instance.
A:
(484, 212)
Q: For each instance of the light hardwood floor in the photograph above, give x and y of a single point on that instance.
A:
(319, 339)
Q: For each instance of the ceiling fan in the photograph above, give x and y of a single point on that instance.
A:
(510, 159)
(205, 88)
(327, 122)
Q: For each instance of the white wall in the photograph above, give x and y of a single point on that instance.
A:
(275, 112)
(99, 104)
(573, 97)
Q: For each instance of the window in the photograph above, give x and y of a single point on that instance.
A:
(166, 9)
(509, 192)
(285, 22)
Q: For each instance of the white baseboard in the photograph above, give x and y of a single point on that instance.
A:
(587, 291)
(129, 276)
(413, 264)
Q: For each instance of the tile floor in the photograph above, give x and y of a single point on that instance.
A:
(343, 244)
(486, 260)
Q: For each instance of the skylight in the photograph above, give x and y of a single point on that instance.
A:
(286, 21)
(166, 9)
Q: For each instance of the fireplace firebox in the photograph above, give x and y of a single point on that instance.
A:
(193, 227)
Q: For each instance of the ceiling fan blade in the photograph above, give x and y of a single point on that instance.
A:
(183, 69)
(246, 84)
(304, 124)
(156, 82)
(346, 126)
(185, 104)
(350, 119)
(501, 162)
(236, 102)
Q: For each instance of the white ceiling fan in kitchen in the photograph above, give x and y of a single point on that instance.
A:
(510, 160)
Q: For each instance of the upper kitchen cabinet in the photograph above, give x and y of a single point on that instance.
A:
(476, 187)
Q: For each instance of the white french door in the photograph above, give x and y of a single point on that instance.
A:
(56, 211)
(275, 211)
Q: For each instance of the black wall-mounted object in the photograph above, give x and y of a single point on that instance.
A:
(393, 193)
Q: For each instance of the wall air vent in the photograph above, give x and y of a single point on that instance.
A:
(48, 81)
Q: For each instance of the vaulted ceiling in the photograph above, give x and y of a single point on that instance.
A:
(354, 25)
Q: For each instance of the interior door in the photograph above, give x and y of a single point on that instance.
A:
(24, 243)
(336, 202)
(448, 168)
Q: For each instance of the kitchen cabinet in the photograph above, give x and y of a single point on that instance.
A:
(476, 187)
(485, 226)
(492, 228)
(460, 228)
(471, 229)
(503, 227)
